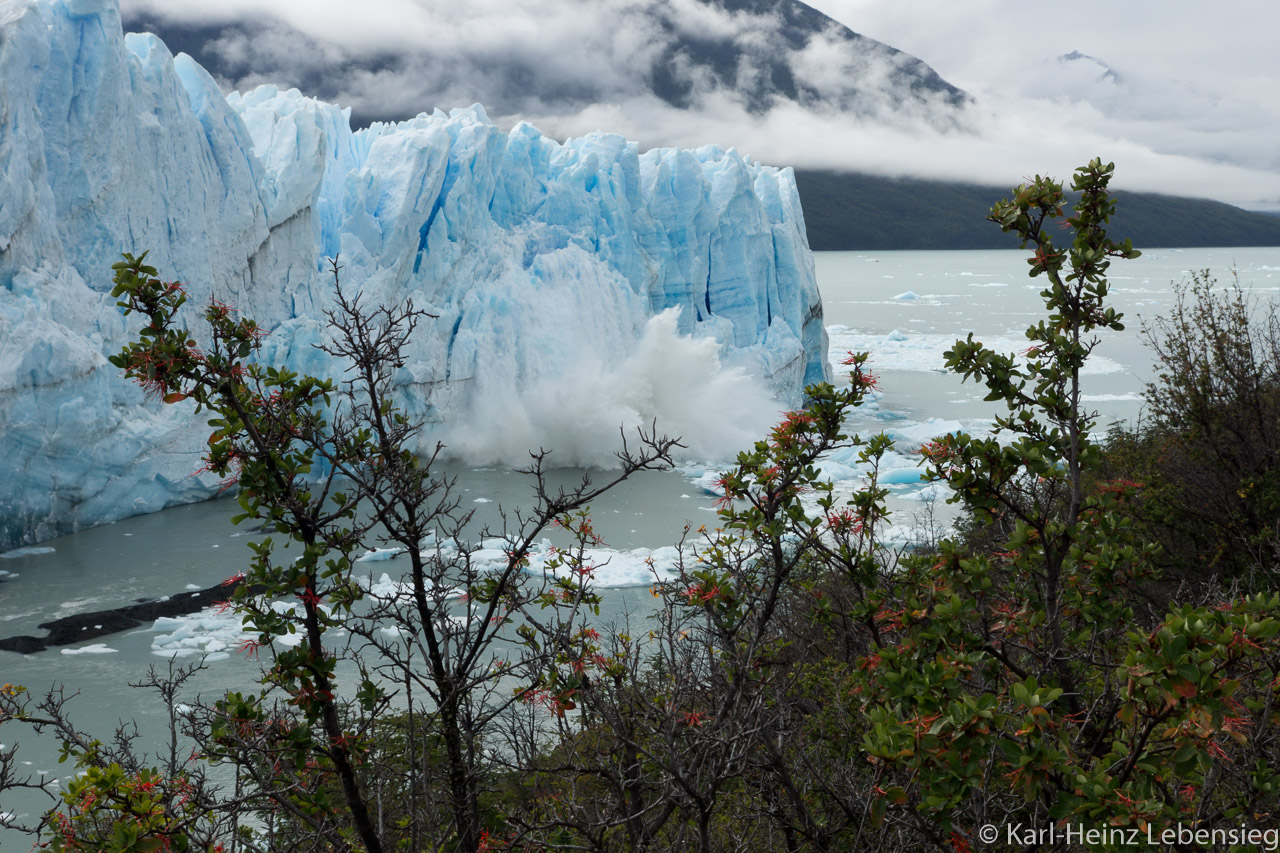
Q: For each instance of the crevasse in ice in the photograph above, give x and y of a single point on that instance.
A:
(543, 260)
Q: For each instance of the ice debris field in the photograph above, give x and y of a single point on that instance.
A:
(218, 633)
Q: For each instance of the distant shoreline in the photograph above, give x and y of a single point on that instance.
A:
(854, 212)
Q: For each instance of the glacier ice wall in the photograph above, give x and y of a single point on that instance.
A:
(549, 264)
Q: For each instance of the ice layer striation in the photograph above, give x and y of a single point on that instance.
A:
(538, 257)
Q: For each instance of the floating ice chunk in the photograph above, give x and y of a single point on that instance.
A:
(907, 296)
(709, 482)
(379, 554)
(926, 352)
(205, 633)
(481, 501)
(839, 472)
(70, 608)
(33, 551)
(387, 587)
(212, 632)
(896, 335)
(91, 649)
(900, 476)
(612, 568)
(607, 567)
(931, 492)
(918, 433)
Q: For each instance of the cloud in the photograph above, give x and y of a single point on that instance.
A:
(519, 57)
(1192, 79)
(995, 147)
(1200, 121)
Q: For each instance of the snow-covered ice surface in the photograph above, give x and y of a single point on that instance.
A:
(577, 285)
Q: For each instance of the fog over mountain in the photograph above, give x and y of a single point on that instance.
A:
(567, 56)
(778, 79)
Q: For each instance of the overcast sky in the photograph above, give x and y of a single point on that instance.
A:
(1183, 94)
(1191, 77)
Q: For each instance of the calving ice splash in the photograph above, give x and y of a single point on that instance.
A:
(675, 380)
(577, 286)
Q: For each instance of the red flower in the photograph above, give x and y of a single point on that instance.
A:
(866, 381)
(846, 521)
(693, 719)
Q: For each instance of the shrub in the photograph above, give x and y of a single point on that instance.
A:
(1013, 687)
(1209, 448)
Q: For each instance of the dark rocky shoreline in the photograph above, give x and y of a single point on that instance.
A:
(88, 626)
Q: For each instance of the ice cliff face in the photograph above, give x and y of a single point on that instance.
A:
(550, 265)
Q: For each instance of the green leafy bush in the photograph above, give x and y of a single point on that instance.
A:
(1208, 450)
(1018, 687)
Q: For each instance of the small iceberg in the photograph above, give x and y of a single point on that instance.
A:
(33, 551)
(91, 649)
(380, 554)
(901, 476)
(710, 482)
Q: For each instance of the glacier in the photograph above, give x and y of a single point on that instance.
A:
(578, 285)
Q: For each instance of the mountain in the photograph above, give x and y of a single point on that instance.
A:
(758, 54)
(1093, 67)
(770, 66)
(851, 211)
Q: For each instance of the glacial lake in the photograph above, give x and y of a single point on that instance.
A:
(906, 308)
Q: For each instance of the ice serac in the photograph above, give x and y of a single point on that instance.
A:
(543, 260)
